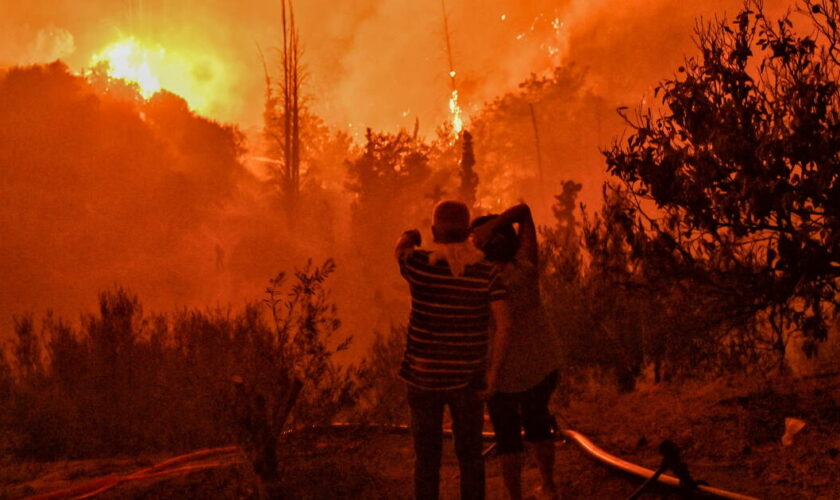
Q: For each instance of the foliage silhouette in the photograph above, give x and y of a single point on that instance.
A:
(736, 181)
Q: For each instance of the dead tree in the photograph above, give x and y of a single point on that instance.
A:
(282, 113)
(469, 179)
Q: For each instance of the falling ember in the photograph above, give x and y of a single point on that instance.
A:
(455, 111)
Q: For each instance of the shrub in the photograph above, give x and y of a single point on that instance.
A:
(130, 383)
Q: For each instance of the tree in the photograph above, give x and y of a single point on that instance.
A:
(469, 179)
(388, 180)
(533, 137)
(282, 114)
(736, 181)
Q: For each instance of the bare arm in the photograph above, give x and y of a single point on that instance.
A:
(526, 236)
(406, 243)
(501, 342)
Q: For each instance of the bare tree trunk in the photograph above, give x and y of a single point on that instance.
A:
(290, 57)
(537, 147)
(469, 179)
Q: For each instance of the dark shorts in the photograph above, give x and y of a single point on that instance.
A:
(513, 411)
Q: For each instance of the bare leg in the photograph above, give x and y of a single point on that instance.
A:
(543, 453)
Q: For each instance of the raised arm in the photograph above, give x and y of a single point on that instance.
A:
(406, 243)
(527, 234)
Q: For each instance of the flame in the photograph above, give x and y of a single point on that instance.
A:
(128, 60)
(455, 111)
(194, 75)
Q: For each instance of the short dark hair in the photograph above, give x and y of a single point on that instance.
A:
(451, 222)
(503, 243)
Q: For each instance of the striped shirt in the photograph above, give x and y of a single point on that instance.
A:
(448, 327)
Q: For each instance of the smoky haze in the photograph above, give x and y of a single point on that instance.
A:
(374, 63)
(98, 189)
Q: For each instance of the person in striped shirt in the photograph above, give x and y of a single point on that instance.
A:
(454, 293)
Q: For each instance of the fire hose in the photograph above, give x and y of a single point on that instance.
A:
(176, 466)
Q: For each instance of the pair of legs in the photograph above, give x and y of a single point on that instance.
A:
(510, 413)
(467, 412)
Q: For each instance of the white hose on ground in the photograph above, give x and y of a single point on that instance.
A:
(637, 470)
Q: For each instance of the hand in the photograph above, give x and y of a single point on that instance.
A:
(413, 235)
(481, 234)
(492, 387)
(405, 245)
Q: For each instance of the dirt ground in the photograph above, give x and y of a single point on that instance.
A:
(729, 433)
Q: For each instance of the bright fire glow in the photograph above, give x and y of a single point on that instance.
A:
(194, 75)
(131, 61)
(455, 111)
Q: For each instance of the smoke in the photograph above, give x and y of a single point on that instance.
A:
(98, 190)
(21, 45)
(373, 63)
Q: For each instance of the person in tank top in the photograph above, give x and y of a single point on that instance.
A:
(522, 372)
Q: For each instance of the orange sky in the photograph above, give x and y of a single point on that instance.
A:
(377, 63)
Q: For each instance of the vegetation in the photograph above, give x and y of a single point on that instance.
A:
(714, 249)
(130, 383)
(716, 244)
(742, 168)
(283, 114)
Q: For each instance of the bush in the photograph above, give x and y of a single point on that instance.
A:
(130, 383)
(382, 393)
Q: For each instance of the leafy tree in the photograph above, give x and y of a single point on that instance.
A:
(388, 181)
(535, 136)
(736, 181)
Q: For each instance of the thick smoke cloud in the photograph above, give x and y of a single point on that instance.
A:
(97, 190)
(379, 63)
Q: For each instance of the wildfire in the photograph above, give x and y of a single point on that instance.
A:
(195, 76)
(455, 111)
(129, 60)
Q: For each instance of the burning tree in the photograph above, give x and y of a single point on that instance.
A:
(737, 181)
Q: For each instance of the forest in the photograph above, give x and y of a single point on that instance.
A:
(173, 283)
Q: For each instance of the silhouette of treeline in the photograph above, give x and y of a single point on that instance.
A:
(717, 245)
(102, 186)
